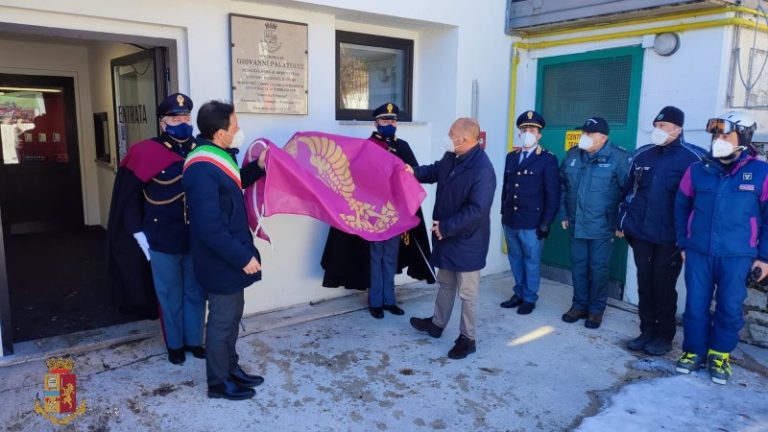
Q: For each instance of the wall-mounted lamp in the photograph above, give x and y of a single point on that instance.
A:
(666, 44)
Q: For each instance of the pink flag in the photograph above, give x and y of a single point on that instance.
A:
(349, 183)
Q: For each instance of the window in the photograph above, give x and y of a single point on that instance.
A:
(574, 91)
(371, 71)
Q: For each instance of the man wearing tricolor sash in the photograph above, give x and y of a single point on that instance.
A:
(223, 252)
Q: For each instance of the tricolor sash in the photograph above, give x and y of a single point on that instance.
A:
(218, 157)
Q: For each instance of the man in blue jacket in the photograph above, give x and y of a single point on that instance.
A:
(591, 178)
(225, 258)
(721, 223)
(461, 230)
(647, 220)
(530, 197)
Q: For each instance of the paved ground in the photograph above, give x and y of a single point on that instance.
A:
(351, 372)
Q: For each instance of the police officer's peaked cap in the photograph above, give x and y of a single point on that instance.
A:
(530, 118)
(386, 111)
(175, 104)
(671, 114)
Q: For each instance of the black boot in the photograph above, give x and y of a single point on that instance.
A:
(176, 356)
(230, 391)
(639, 343)
(426, 325)
(464, 347)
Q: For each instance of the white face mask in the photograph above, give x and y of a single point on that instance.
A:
(528, 139)
(585, 142)
(450, 144)
(237, 139)
(659, 136)
(722, 148)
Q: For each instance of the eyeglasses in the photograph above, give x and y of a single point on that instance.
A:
(722, 126)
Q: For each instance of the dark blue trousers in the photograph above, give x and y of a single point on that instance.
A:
(383, 269)
(725, 279)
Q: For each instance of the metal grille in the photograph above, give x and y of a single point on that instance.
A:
(574, 92)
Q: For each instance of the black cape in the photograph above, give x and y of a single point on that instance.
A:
(133, 290)
(346, 257)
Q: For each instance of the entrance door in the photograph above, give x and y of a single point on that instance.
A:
(40, 189)
(573, 88)
(139, 83)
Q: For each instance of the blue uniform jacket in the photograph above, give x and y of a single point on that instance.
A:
(647, 211)
(530, 195)
(590, 190)
(222, 243)
(722, 211)
(165, 223)
(465, 188)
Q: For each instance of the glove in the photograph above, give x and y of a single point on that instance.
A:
(141, 239)
(542, 232)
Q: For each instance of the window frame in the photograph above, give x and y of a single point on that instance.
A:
(406, 45)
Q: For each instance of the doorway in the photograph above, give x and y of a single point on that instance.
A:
(573, 88)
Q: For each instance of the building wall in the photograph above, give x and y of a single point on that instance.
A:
(453, 46)
(696, 79)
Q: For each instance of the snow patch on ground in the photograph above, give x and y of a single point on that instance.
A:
(685, 403)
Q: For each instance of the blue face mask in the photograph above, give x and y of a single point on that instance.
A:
(387, 130)
(181, 132)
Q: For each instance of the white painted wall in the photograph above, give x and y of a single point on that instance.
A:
(453, 46)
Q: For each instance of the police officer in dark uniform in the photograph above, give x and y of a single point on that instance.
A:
(529, 202)
(647, 220)
(357, 263)
(155, 213)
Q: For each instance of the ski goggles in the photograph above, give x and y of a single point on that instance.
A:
(722, 126)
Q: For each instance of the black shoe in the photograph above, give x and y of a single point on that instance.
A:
(197, 351)
(176, 356)
(639, 343)
(426, 325)
(376, 312)
(513, 302)
(526, 308)
(243, 379)
(464, 347)
(574, 315)
(593, 321)
(658, 347)
(230, 390)
(394, 310)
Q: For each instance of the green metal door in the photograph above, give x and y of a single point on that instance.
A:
(572, 88)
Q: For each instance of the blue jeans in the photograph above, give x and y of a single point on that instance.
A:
(524, 254)
(589, 268)
(702, 329)
(383, 269)
(181, 298)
